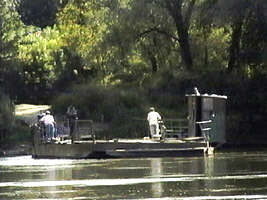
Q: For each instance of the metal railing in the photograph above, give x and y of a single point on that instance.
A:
(177, 128)
(83, 130)
(205, 130)
(170, 127)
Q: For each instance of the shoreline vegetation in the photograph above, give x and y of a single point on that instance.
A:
(146, 53)
(25, 114)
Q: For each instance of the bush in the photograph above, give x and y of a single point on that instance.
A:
(125, 109)
(115, 106)
(14, 131)
(21, 133)
(6, 116)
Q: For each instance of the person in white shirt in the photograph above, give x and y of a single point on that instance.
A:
(49, 124)
(153, 118)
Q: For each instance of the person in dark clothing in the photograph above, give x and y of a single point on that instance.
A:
(72, 117)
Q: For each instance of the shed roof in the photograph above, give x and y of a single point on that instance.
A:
(208, 95)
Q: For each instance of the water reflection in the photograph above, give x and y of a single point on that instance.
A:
(209, 165)
(223, 176)
(27, 161)
(209, 171)
(156, 171)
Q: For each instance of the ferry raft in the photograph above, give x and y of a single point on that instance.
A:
(204, 130)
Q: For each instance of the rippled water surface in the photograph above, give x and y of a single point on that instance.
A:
(240, 175)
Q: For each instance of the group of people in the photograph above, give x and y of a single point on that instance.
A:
(47, 121)
(48, 127)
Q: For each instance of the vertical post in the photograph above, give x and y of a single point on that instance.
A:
(205, 132)
(76, 131)
(92, 132)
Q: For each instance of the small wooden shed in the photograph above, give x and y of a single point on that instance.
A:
(207, 107)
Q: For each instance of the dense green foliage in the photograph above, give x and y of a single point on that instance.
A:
(117, 57)
(6, 110)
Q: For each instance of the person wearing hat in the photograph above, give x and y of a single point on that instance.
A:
(49, 123)
(153, 118)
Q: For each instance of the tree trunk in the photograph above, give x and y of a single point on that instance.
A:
(154, 64)
(174, 8)
(234, 49)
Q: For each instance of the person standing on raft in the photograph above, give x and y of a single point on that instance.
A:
(153, 119)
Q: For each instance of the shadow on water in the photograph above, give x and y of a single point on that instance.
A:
(241, 175)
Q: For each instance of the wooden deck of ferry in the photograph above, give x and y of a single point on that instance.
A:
(119, 148)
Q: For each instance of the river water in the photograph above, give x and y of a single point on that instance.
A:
(241, 175)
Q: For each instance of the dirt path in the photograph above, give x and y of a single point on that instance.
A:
(29, 112)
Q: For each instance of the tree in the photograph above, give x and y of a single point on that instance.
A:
(81, 25)
(176, 8)
(37, 52)
(140, 42)
(10, 33)
(38, 12)
(154, 21)
(244, 19)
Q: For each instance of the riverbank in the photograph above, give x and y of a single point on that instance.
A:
(10, 150)
(25, 114)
